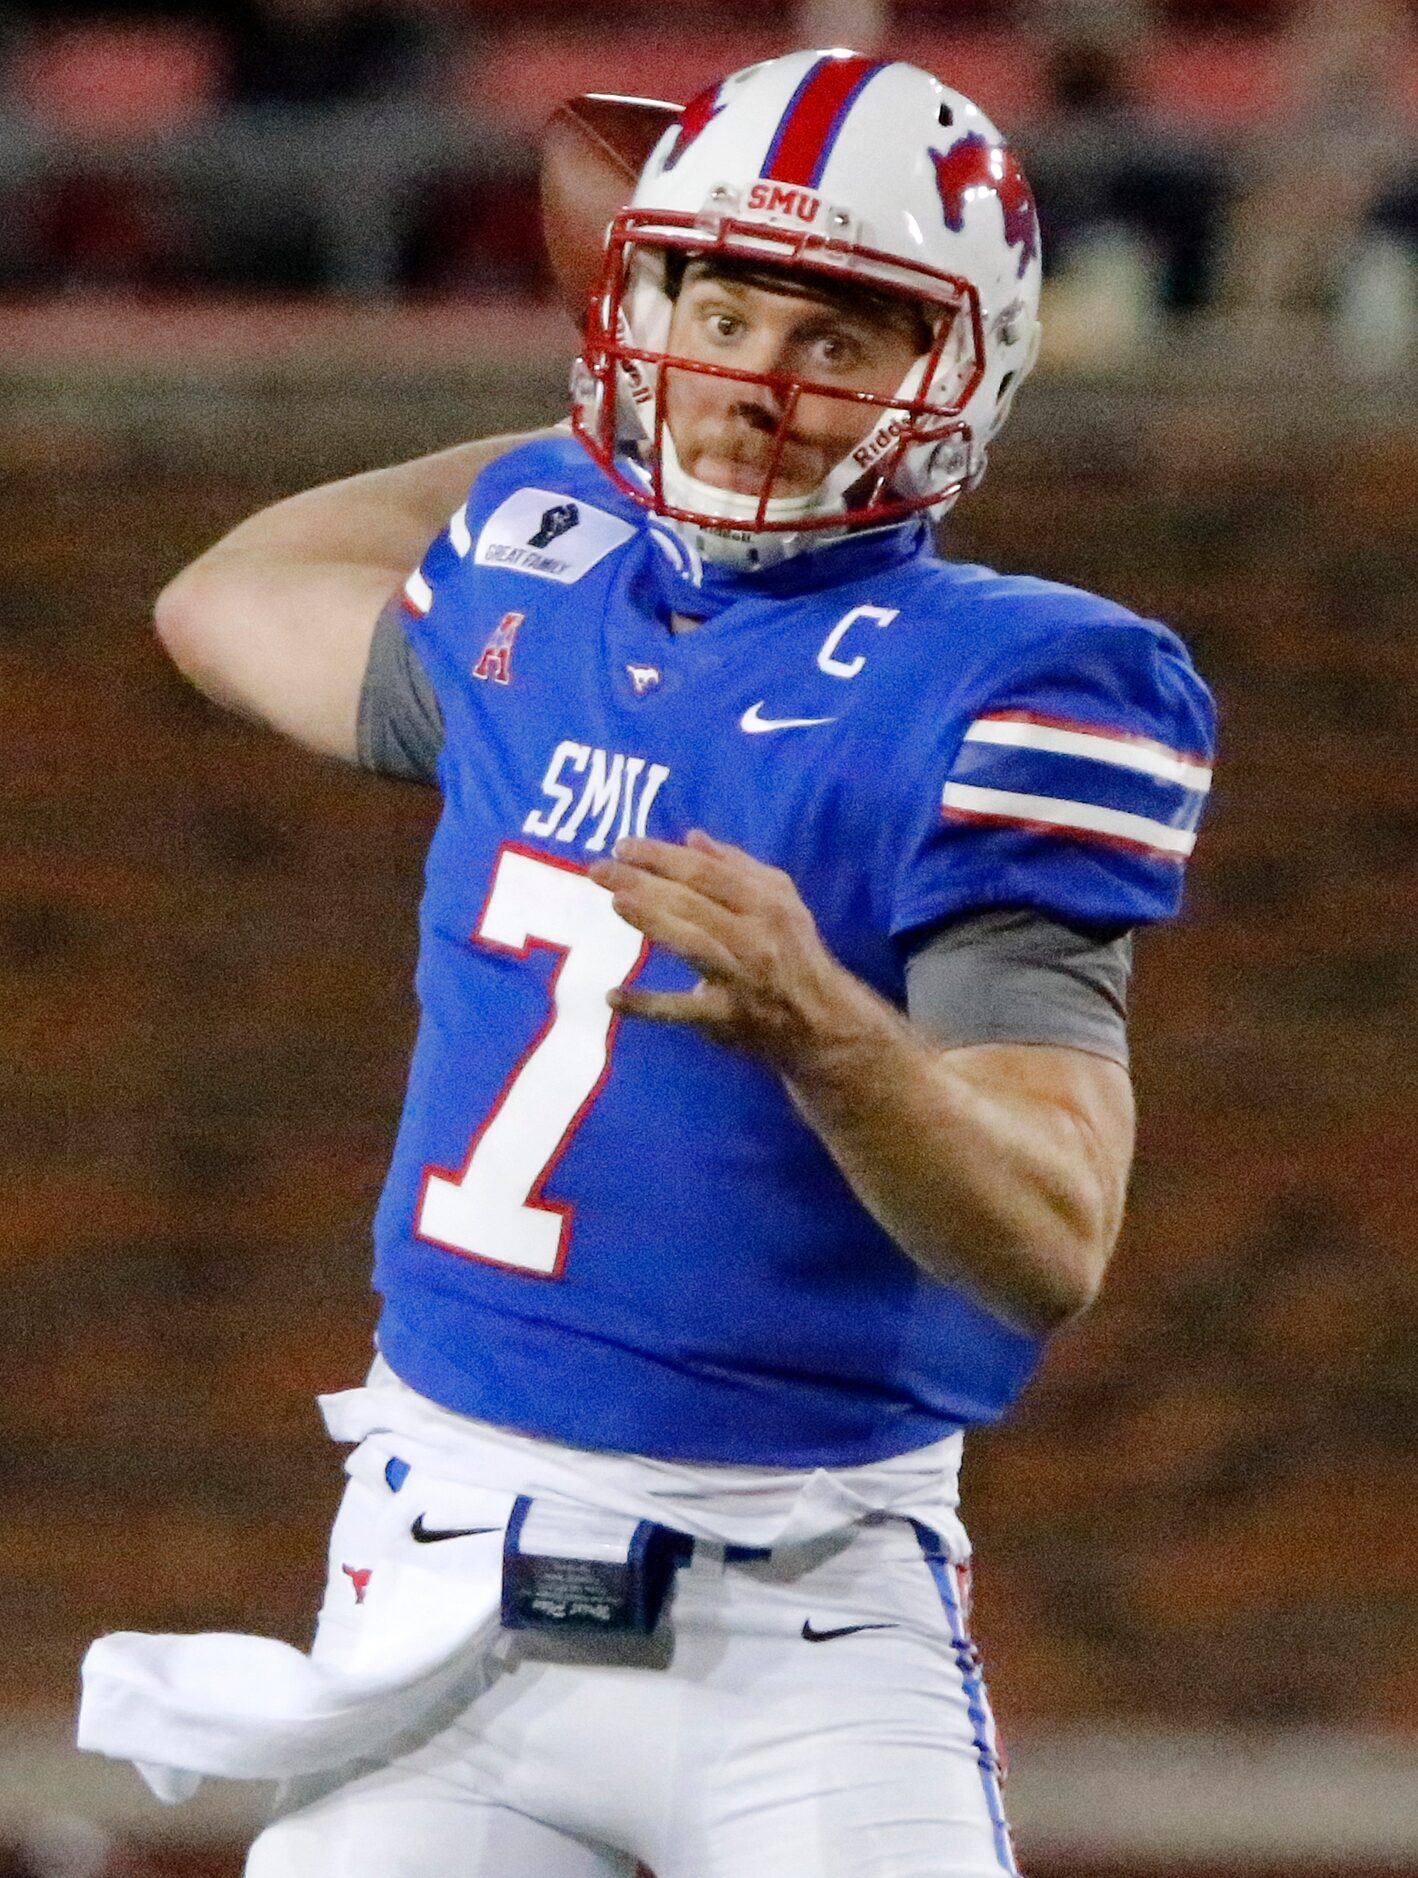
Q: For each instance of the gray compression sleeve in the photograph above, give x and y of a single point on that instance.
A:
(1014, 975)
(400, 729)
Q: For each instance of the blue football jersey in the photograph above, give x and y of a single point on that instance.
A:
(617, 1234)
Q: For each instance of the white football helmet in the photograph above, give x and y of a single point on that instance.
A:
(849, 169)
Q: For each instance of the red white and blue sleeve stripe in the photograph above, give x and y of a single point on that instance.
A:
(1075, 787)
(1087, 782)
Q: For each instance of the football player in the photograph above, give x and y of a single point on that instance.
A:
(769, 1106)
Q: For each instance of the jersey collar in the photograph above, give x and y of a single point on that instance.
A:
(686, 584)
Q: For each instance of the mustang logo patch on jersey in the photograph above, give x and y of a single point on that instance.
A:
(536, 531)
(644, 678)
(496, 661)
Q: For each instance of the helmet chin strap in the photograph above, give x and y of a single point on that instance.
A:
(738, 545)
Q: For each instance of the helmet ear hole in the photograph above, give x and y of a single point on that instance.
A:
(1004, 397)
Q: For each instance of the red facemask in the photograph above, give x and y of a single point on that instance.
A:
(614, 367)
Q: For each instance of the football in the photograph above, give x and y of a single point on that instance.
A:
(593, 150)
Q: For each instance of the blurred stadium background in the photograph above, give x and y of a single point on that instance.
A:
(247, 246)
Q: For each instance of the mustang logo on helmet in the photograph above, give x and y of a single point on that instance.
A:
(975, 164)
(696, 116)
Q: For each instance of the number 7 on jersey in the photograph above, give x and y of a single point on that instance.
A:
(493, 1210)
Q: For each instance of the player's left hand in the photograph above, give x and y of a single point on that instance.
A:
(767, 985)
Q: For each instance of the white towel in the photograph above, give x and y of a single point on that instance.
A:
(405, 1624)
(424, 1620)
(248, 1708)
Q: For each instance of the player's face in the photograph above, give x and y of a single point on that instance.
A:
(725, 432)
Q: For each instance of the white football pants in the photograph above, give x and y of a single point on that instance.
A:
(743, 1740)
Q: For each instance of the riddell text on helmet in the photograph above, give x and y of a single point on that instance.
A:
(879, 442)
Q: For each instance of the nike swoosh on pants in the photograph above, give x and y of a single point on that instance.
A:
(431, 1535)
(845, 1630)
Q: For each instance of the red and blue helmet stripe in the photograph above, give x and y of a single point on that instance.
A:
(816, 114)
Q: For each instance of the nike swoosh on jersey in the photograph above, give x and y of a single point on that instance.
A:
(431, 1535)
(751, 721)
(846, 1630)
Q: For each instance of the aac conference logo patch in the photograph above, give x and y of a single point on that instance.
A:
(496, 661)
